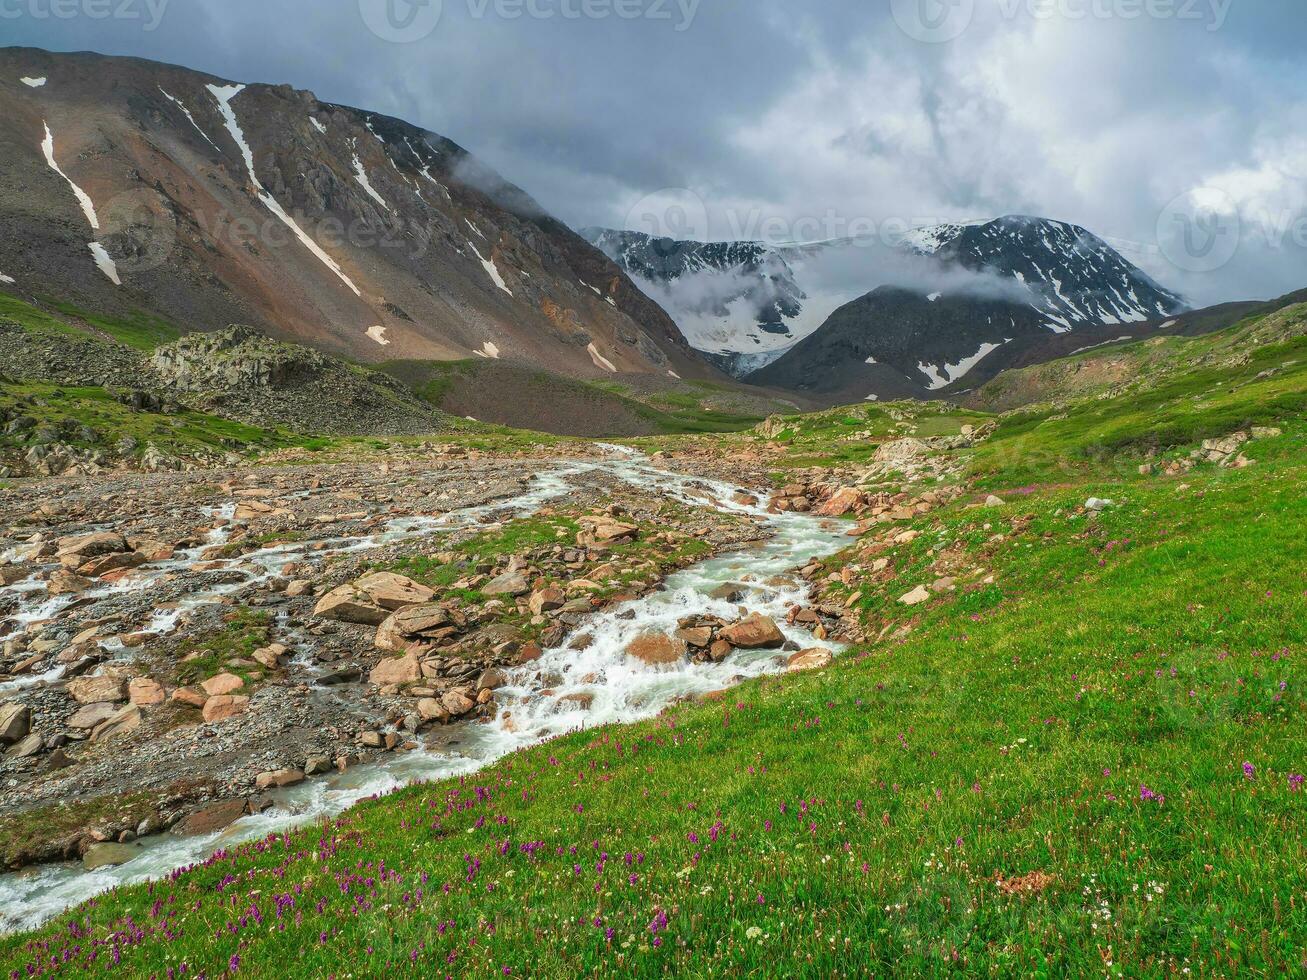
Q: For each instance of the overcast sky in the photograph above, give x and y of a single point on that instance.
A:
(1175, 128)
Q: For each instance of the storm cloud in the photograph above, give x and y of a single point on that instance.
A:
(1177, 129)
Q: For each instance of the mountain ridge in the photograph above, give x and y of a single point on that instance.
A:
(137, 185)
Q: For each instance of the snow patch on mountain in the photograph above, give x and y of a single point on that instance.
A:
(488, 350)
(83, 198)
(32, 82)
(491, 269)
(378, 333)
(361, 176)
(944, 375)
(223, 94)
(104, 262)
(182, 106)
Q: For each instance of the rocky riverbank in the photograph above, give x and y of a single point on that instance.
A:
(181, 647)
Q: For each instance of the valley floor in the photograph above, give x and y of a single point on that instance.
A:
(1062, 732)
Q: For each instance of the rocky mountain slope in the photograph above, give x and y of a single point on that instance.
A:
(736, 302)
(1006, 288)
(127, 185)
(1069, 275)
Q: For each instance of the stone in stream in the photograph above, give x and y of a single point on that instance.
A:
(64, 582)
(108, 855)
(696, 636)
(657, 649)
(210, 819)
(398, 670)
(278, 779)
(77, 549)
(457, 703)
(756, 632)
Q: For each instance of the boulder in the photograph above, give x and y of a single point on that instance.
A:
(192, 696)
(457, 703)
(15, 723)
(901, 451)
(125, 719)
(546, 600)
(391, 591)
(211, 819)
(104, 564)
(993, 501)
(278, 779)
(89, 716)
(108, 855)
(76, 549)
(657, 649)
(225, 706)
(696, 636)
(429, 709)
(396, 670)
(143, 691)
(755, 632)
(222, 684)
(509, 584)
(63, 582)
(814, 659)
(26, 747)
(843, 501)
(345, 604)
(89, 690)
(916, 597)
(401, 630)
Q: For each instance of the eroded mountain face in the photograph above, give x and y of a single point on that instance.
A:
(134, 186)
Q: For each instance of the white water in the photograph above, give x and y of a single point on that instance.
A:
(623, 690)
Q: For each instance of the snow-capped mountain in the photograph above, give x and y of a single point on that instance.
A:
(1073, 277)
(1004, 287)
(738, 303)
(131, 187)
